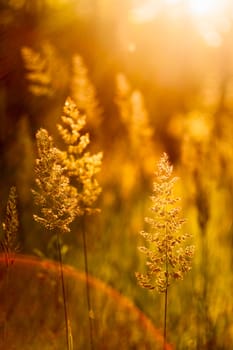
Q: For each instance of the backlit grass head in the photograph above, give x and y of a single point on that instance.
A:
(56, 198)
(134, 115)
(83, 92)
(9, 244)
(167, 257)
(81, 166)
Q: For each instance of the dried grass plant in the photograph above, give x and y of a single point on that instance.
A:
(83, 92)
(134, 115)
(137, 148)
(10, 226)
(9, 245)
(56, 200)
(42, 66)
(133, 112)
(65, 180)
(168, 258)
(66, 187)
(81, 168)
(55, 197)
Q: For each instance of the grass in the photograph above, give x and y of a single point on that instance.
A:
(199, 315)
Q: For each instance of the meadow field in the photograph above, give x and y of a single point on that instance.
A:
(116, 174)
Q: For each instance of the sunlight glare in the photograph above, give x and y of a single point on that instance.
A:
(205, 8)
(210, 17)
(144, 11)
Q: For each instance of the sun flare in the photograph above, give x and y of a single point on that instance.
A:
(146, 10)
(210, 17)
(206, 8)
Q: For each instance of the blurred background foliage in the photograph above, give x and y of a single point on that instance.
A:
(151, 76)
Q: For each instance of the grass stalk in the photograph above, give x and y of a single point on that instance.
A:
(165, 320)
(69, 342)
(5, 331)
(165, 296)
(164, 262)
(205, 291)
(87, 284)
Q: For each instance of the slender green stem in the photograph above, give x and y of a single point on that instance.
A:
(64, 294)
(205, 287)
(165, 297)
(165, 320)
(87, 284)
